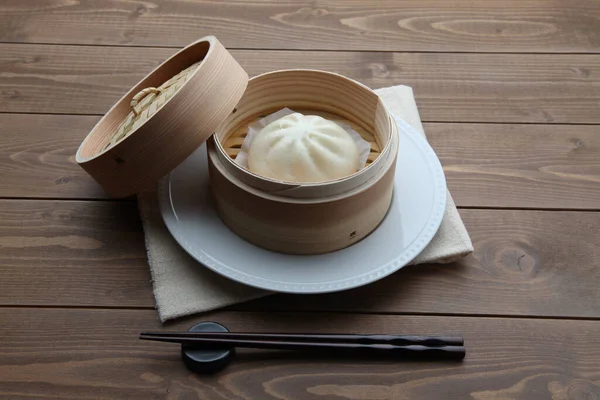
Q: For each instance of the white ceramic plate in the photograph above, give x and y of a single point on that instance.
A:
(415, 215)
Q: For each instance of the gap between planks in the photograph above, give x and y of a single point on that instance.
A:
(131, 200)
(233, 309)
(424, 121)
(141, 46)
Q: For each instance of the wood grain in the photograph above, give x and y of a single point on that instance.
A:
(542, 263)
(386, 25)
(504, 165)
(37, 157)
(448, 87)
(97, 248)
(82, 266)
(96, 354)
(512, 165)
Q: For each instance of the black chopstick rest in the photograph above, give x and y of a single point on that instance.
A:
(210, 360)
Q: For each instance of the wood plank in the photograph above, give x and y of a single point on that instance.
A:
(449, 87)
(522, 166)
(37, 157)
(497, 169)
(96, 354)
(385, 25)
(541, 263)
(98, 249)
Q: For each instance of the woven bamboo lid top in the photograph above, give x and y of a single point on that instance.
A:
(148, 101)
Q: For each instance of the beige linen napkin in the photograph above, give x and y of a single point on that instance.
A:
(183, 287)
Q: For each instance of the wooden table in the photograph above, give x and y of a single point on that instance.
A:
(510, 95)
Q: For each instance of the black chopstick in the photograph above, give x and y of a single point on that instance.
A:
(430, 341)
(408, 352)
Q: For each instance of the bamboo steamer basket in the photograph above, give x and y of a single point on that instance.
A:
(309, 218)
(163, 119)
(202, 90)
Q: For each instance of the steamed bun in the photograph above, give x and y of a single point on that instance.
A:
(303, 148)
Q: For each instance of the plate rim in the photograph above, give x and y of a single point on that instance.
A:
(411, 251)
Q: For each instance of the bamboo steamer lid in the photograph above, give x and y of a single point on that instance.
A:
(163, 119)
